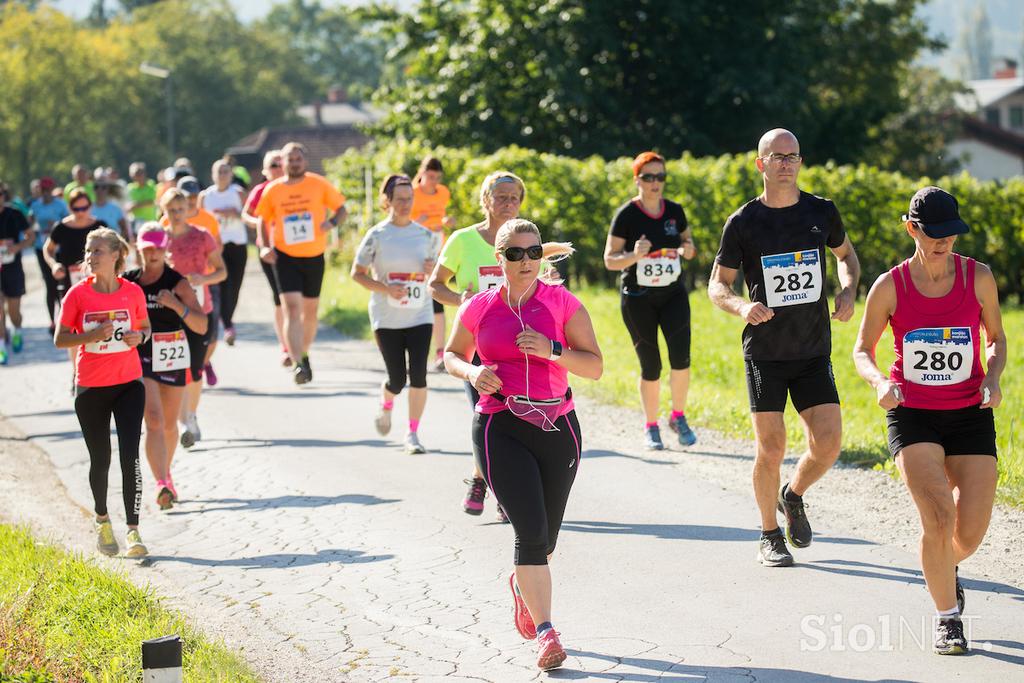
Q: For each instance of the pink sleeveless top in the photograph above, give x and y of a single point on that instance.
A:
(938, 342)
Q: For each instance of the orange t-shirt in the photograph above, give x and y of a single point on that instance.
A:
(295, 212)
(109, 362)
(429, 209)
(204, 219)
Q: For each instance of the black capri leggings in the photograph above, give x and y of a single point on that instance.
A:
(531, 473)
(51, 284)
(395, 345)
(646, 311)
(94, 406)
(235, 256)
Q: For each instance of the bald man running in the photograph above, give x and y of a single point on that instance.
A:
(779, 240)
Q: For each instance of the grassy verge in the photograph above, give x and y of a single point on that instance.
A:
(62, 618)
(718, 392)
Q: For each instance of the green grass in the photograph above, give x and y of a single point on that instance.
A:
(718, 390)
(63, 618)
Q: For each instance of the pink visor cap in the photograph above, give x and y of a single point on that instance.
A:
(156, 239)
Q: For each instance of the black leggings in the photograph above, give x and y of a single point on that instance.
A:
(235, 256)
(51, 284)
(644, 313)
(394, 345)
(94, 406)
(268, 271)
(531, 473)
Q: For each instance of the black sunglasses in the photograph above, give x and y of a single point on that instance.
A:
(536, 253)
(81, 208)
(277, 165)
(651, 177)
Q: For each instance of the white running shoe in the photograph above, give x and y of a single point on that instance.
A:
(413, 445)
(383, 422)
(134, 545)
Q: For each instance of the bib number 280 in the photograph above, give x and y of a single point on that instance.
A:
(938, 356)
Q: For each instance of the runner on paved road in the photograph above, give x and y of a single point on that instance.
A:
(393, 262)
(195, 254)
(103, 318)
(173, 308)
(16, 235)
(201, 218)
(938, 398)
(468, 256)
(296, 214)
(225, 200)
(779, 239)
(529, 333)
(45, 212)
(64, 251)
(430, 209)
(648, 237)
(272, 170)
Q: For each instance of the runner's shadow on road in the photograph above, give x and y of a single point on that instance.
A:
(63, 412)
(239, 444)
(248, 504)
(788, 460)
(306, 393)
(278, 560)
(867, 570)
(1001, 656)
(688, 532)
(677, 672)
(596, 453)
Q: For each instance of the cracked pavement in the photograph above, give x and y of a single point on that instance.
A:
(323, 553)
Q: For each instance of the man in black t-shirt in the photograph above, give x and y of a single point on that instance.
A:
(779, 239)
(16, 235)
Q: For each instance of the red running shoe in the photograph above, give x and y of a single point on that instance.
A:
(550, 653)
(520, 614)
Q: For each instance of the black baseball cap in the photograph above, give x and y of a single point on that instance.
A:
(937, 212)
(189, 185)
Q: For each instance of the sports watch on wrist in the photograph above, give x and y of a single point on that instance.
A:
(556, 350)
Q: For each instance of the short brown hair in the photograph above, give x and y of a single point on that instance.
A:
(387, 188)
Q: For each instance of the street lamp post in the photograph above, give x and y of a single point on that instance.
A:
(165, 75)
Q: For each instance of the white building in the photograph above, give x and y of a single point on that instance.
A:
(991, 144)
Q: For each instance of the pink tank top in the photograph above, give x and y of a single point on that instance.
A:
(937, 341)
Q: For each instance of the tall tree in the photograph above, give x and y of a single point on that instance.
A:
(612, 78)
(337, 43)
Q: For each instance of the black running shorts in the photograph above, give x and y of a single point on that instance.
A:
(808, 382)
(965, 431)
(299, 274)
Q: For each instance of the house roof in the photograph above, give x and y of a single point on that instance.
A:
(322, 142)
(987, 91)
(339, 113)
(1000, 138)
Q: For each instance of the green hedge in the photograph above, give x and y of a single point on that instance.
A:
(574, 200)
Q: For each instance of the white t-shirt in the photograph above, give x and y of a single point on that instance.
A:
(232, 230)
(396, 254)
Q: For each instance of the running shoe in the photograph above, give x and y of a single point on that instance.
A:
(550, 653)
(302, 373)
(164, 496)
(105, 541)
(439, 364)
(520, 614)
(652, 439)
(4, 358)
(286, 359)
(502, 517)
(798, 529)
(687, 437)
(382, 422)
(413, 445)
(191, 434)
(961, 599)
(134, 545)
(174, 491)
(772, 550)
(307, 367)
(17, 341)
(949, 637)
(229, 335)
(474, 502)
(211, 376)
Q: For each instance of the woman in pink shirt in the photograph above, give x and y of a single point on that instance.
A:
(938, 398)
(529, 333)
(104, 316)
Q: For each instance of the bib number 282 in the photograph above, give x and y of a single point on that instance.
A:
(792, 278)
